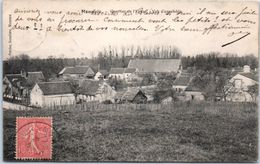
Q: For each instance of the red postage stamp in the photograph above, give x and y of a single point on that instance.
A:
(33, 138)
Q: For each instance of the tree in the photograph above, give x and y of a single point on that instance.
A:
(253, 91)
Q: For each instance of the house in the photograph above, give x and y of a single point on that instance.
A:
(91, 90)
(239, 86)
(18, 86)
(181, 83)
(77, 72)
(122, 73)
(132, 95)
(194, 93)
(14, 86)
(52, 93)
(117, 73)
(128, 72)
(101, 75)
(156, 65)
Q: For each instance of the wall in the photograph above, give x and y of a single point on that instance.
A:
(118, 76)
(192, 95)
(64, 99)
(36, 96)
(245, 82)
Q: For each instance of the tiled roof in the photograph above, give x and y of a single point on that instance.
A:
(130, 70)
(250, 75)
(89, 87)
(14, 79)
(75, 70)
(34, 77)
(155, 65)
(55, 88)
(116, 71)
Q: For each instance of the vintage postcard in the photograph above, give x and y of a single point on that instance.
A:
(130, 81)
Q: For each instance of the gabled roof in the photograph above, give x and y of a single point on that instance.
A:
(34, 77)
(89, 87)
(55, 88)
(250, 75)
(155, 65)
(182, 80)
(116, 71)
(14, 79)
(75, 70)
(130, 94)
(130, 70)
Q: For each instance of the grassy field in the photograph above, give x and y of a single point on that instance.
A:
(190, 132)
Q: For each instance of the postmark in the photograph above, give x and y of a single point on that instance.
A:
(33, 138)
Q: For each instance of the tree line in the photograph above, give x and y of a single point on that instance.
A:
(216, 60)
(112, 57)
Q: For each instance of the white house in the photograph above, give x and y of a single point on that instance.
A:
(117, 73)
(52, 93)
(243, 80)
(239, 84)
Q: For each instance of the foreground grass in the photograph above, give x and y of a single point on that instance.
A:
(193, 132)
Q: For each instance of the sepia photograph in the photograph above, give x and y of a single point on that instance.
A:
(130, 81)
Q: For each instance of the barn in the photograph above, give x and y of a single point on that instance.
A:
(52, 93)
(155, 65)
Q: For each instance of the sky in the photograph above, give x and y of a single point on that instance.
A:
(86, 44)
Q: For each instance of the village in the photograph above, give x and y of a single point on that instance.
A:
(143, 81)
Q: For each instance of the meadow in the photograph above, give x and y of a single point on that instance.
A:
(178, 132)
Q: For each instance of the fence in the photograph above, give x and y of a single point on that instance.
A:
(12, 106)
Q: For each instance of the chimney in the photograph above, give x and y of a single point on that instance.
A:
(246, 69)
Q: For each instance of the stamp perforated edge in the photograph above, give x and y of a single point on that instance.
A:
(16, 131)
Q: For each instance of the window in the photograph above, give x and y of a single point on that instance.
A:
(238, 83)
